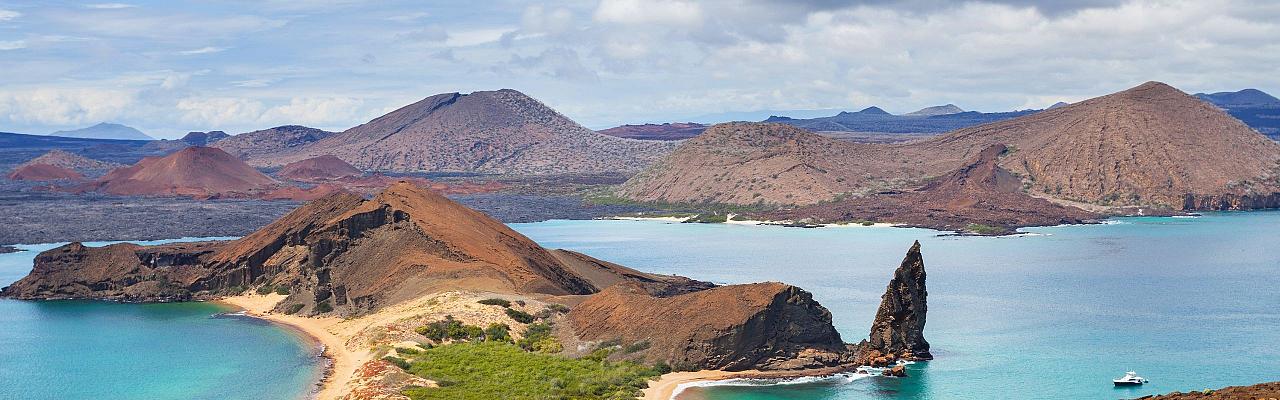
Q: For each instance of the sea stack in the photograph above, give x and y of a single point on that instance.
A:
(898, 330)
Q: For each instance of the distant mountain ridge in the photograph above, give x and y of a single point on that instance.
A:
(105, 130)
(1259, 110)
(936, 110)
(667, 131)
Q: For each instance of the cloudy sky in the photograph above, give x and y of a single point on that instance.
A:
(168, 68)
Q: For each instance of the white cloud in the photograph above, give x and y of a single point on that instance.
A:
(202, 50)
(51, 106)
(6, 15)
(649, 12)
(109, 6)
(320, 111)
(254, 83)
(219, 111)
(13, 45)
(473, 37)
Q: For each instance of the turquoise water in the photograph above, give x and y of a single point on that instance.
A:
(1189, 303)
(97, 350)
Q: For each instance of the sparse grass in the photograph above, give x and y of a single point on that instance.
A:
(708, 218)
(475, 371)
(538, 338)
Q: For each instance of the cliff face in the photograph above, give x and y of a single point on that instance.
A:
(898, 330)
(122, 272)
(768, 326)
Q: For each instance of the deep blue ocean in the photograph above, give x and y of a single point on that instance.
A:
(62, 350)
(1188, 303)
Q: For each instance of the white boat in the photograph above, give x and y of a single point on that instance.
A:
(1130, 379)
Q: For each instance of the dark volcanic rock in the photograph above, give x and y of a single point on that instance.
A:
(123, 272)
(8, 249)
(766, 326)
(898, 330)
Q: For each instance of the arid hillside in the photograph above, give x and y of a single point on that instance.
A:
(749, 163)
(252, 145)
(320, 168)
(200, 172)
(500, 131)
(1151, 145)
(72, 161)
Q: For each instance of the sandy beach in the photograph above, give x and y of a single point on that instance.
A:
(665, 386)
(336, 382)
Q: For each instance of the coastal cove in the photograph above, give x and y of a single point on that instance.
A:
(193, 350)
(1055, 312)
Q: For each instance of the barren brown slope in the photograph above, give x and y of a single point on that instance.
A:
(748, 163)
(193, 171)
(1151, 144)
(72, 161)
(320, 168)
(500, 131)
(256, 144)
(981, 192)
(43, 172)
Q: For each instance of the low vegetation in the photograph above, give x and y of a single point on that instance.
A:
(984, 229)
(496, 370)
(520, 316)
(539, 338)
(495, 302)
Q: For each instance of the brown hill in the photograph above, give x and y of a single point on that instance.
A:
(257, 144)
(201, 172)
(320, 168)
(1268, 390)
(1151, 145)
(500, 131)
(980, 197)
(749, 163)
(667, 131)
(73, 161)
(43, 172)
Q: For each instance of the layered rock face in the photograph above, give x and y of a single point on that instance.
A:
(898, 330)
(122, 272)
(768, 326)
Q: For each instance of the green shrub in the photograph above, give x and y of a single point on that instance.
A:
(450, 328)
(399, 362)
(661, 368)
(497, 333)
(599, 354)
(489, 370)
(284, 290)
(323, 307)
(406, 350)
(538, 338)
(495, 302)
(984, 229)
(559, 308)
(634, 347)
(293, 309)
(265, 289)
(519, 316)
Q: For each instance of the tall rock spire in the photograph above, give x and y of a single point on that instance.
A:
(898, 330)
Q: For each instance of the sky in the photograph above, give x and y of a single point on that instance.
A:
(169, 67)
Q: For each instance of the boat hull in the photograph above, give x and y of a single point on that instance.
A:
(1128, 383)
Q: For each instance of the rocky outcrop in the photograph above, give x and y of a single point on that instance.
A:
(898, 330)
(766, 326)
(1231, 202)
(1268, 391)
(121, 272)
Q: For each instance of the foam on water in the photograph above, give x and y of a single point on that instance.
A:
(836, 379)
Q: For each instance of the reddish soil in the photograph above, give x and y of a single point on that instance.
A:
(322, 168)
(43, 172)
(200, 172)
(1261, 391)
